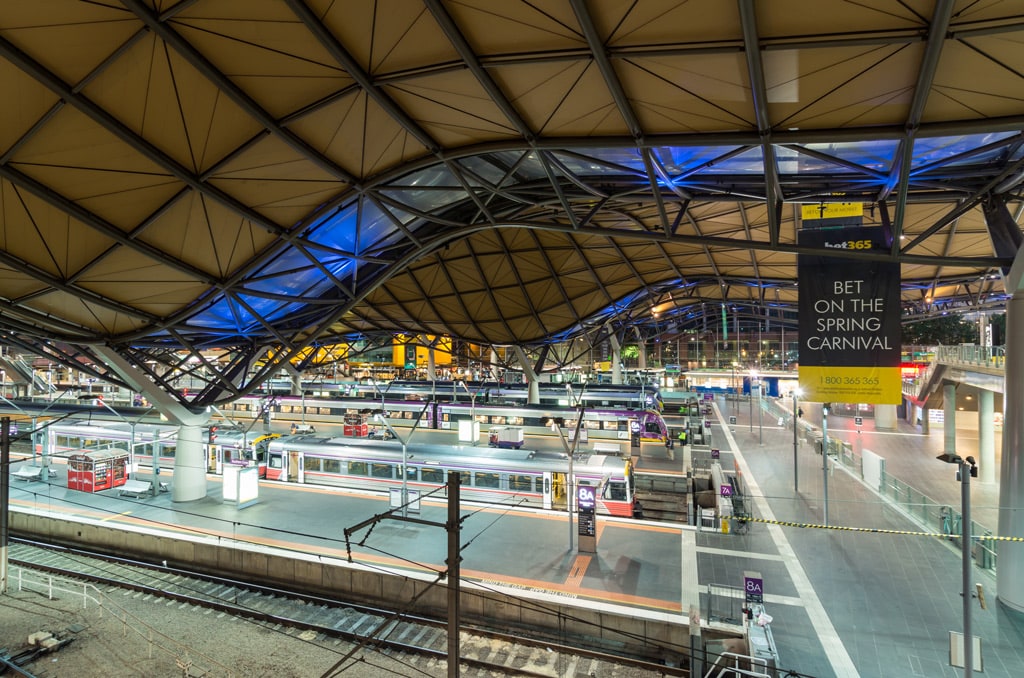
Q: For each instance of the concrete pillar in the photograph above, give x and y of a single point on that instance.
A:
(189, 481)
(431, 365)
(986, 437)
(296, 386)
(616, 359)
(885, 417)
(926, 426)
(1010, 573)
(949, 418)
(495, 368)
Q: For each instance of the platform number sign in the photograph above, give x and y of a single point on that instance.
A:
(586, 498)
(753, 587)
(716, 453)
(726, 490)
(858, 420)
(732, 421)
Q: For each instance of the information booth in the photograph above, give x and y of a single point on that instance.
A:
(96, 470)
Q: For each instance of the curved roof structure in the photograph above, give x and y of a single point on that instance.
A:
(271, 174)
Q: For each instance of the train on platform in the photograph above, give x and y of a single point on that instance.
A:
(614, 423)
(222, 444)
(486, 392)
(502, 476)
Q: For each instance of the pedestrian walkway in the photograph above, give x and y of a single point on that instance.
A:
(848, 602)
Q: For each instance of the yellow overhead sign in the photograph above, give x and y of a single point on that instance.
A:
(832, 210)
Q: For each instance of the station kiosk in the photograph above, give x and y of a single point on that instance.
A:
(96, 470)
(356, 424)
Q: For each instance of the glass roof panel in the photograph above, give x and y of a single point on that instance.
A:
(749, 161)
(878, 155)
(680, 159)
(959, 150)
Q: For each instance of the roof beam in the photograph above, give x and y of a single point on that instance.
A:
(759, 91)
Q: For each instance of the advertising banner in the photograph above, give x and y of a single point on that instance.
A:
(849, 319)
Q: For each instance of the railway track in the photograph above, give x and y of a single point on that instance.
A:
(416, 640)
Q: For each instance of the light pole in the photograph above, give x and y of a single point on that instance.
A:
(796, 417)
(570, 451)
(472, 412)
(750, 400)
(405, 460)
(965, 469)
(824, 457)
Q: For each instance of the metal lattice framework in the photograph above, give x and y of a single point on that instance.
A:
(259, 177)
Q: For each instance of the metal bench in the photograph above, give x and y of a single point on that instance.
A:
(33, 472)
(136, 488)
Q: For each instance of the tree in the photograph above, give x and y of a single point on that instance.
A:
(948, 330)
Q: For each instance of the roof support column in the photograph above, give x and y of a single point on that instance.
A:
(1010, 573)
(189, 459)
(616, 358)
(533, 392)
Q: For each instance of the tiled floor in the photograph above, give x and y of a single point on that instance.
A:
(852, 603)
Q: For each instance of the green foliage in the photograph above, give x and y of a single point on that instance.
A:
(630, 352)
(949, 330)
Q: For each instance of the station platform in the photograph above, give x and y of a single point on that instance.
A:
(844, 602)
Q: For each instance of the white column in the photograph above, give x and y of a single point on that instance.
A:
(986, 437)
(431, 365)
(189, 481)
(1010, 573)
(949, 417)
(616, 359)
(885, 417)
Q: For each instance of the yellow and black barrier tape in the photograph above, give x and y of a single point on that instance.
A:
(875, 530)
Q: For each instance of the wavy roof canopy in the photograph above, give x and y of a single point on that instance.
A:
(270, 174)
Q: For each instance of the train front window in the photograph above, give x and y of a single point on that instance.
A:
(615, 490)
(276, 461)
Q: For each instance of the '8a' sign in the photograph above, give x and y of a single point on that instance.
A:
(753, 587)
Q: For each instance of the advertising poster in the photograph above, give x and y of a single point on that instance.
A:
(849, 319)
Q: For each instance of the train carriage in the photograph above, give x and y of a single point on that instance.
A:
(617, 423)
(141, 440)
(509, 477)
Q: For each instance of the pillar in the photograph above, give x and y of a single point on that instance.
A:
(431, 364)
(926, 425)
(986, 437)
(296, 387)
(189, 465)
(949, 418)
(885, 417)
(1010, 572)
(616, 348)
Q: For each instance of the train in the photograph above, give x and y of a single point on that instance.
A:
(616, 423)
(224, 444)
(510, 477)
(485, 392)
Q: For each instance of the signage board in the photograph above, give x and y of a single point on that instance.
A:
(849, 315)
(753, 587)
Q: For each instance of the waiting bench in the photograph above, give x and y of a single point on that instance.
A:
(607, 448)
(139, 488)
(28, 473)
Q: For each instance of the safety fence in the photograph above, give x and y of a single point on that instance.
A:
(931, 515)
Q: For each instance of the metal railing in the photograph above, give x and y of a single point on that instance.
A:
(931, 515)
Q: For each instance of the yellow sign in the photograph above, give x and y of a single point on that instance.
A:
(833, 384)
(832, 210)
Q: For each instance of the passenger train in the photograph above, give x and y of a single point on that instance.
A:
(508, 477)
(487, 392)
(223, 445)
(618, 423)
